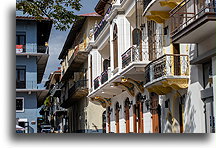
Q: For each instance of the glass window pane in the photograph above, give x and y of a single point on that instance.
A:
(22, 75)
(19, 104)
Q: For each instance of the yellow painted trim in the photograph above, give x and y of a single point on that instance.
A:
(157, 19)
(126, 86)
(171, 4)
(162, 14)
(137, 84)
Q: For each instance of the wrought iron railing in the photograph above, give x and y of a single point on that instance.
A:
(102, 24)
(167, 65)
(81, 84)
(26, 85)
(96, 82)
(188, 11)
(32, 49)
(133, 54)
(104, 76)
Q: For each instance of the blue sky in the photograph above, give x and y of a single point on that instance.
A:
(57, 39)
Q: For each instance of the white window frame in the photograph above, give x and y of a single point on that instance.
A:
(21, 111)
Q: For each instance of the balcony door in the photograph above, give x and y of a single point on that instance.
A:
(152, 40)
(20, 77)
(115, 45)
(177, 64)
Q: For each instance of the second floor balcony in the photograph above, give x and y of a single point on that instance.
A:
(192, 21)
(99, 28)
(171, 71)
(31, 85)
(133, 54)
(100, 80)
(31, 49)
(78, 90)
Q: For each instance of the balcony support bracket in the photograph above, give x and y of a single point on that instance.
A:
(126, 85)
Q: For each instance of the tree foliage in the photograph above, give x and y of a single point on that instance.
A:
(61, 12)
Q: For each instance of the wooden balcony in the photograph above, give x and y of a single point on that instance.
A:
(168, 72)
(192, 21)
(78, 90)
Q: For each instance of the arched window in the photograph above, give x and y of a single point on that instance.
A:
(127, 114)
(115, 45)
(117, 109)
(106, 64)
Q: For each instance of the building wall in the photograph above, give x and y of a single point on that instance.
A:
(31, 70)
(30, 110)
(30, 28)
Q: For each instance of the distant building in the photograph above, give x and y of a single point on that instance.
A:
(83, 115)
(31, 58)
(53, 114)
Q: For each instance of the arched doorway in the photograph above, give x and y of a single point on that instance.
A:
(117, 109)
(127, 114)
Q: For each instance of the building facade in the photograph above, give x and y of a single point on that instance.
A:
(83, 115)
(32, 53)
(146, 66)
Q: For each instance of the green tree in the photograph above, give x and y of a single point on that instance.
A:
(61, 12)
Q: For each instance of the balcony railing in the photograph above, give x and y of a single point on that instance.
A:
(56, 89)
(26, 85)
(32, 49)
(167, 65)
(188, 11)
(78, 85)
(102, 24)
(96, 82)
(133, 54)
(104, 76)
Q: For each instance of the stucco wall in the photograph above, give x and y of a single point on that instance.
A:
(30, 28)
(31, 70)
(30, 110)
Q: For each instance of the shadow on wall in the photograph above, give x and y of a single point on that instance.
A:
(189, 123)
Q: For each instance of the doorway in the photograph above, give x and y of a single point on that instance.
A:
(155, 109)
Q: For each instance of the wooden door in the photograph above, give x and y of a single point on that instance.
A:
(115, 45)
(181, 118)
(155, 115)
(177, 65)
(134, 119)
(127, 119)
(117, 120)
(141, 117)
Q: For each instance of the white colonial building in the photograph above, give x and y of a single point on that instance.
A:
(139, 66)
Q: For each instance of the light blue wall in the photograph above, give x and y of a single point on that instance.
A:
(30, 28)
(30, 110)
(31, 70)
